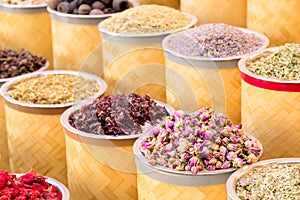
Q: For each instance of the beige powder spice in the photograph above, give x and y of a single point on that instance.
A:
(146, 19)
(24, 2)
(53, 89)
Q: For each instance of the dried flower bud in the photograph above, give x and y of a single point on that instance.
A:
(219, 165)
(211, 167)
(238, 162)
(251, 158)
(231, 155)
(232, 147)
(212, 161)
(169, 147)
(178, 114)
(225, 165)
(207, 135)
(223, 150)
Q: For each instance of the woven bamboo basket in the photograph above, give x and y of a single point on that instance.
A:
(217, 11)
(276, 19)
(30, 22)
(4, 155)
(71, 53)
(271, 111)
(4, 158)
(195, 82)
(35, 136)
(156, 182)
(99, 167)
(171, 3)
(135, 62)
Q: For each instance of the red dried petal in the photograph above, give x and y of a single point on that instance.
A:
(3, 178)
(29, 177)
(28, 187)
(21, 197)
(5, 197)
(38, 187)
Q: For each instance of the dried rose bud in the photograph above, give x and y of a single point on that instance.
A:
(219, 165)
(178, 114)
(225, 165)
(232, 147)
(223, 150)
(251, 158)
(238, 162)
(207, 135)
(212, 161)
(231, 155)
(211, 167)
(169, 147)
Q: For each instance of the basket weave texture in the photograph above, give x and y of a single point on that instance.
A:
(273, 118)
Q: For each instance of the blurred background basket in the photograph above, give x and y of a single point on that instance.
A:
(26, 27)
(217, 11)
(277, 19)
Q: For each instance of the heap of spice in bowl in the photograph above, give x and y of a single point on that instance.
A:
(89, 7)
(17, 62)
(216, 41)
(146, 19)
(30, 186)
(54, 87)
(281, 64)
(268, 179)
(203, 140)
(24, 2)
(117, 115)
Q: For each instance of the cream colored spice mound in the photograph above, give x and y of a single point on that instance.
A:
(24, 2)
(283, 64)
(277, 181)
(53, 89)
(146, 19)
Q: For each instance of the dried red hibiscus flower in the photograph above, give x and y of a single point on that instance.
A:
(117, 115)
(30, 186)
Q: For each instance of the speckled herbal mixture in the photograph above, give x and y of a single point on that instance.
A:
(277, 181)
(146, 19)
(53, 89)
(214, 41)
(283, 64)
